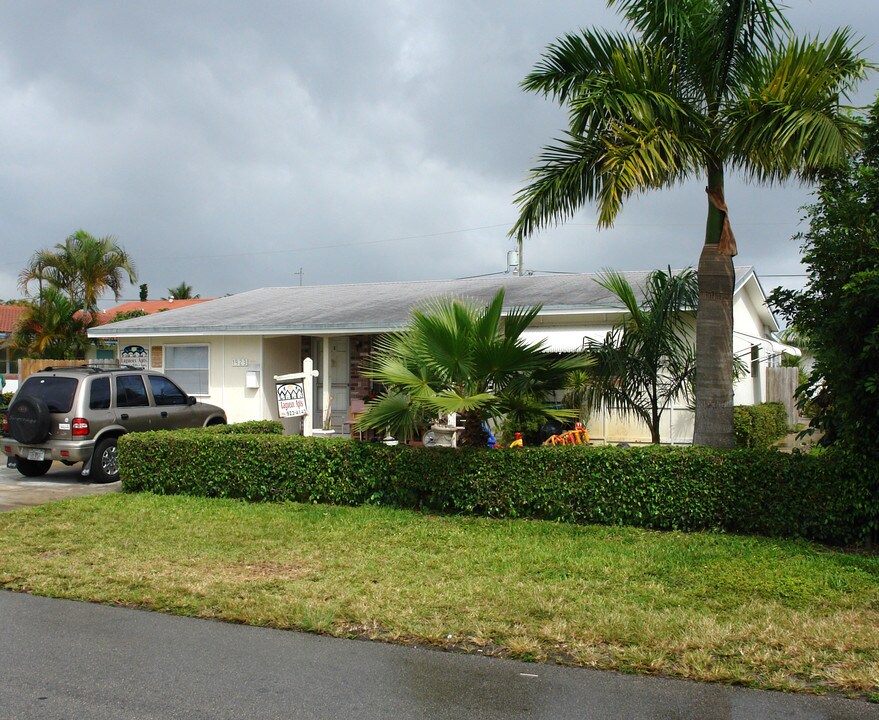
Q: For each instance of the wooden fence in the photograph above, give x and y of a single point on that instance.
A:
(781, 386)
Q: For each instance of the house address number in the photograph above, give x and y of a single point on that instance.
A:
(239, 362)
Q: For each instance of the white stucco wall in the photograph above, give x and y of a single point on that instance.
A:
(748, 327)
(230, 359)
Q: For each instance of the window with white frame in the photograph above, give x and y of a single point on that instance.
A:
(9, 361)
(187, 365)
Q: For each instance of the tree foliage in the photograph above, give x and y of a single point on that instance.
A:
(71, 278)
(51, 327)
(646, 361)
(455, 357)
(181, 292)
(839, 308)
(83, 267)
(128, 315)
(693, 89)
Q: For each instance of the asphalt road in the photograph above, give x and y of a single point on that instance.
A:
(62, 659)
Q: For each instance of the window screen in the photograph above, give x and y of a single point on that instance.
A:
(187, 365)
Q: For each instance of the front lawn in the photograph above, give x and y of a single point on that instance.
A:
(766, 613)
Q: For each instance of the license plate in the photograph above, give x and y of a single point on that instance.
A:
(36, 454)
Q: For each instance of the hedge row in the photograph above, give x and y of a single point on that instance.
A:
(821, 497)
(758, 426)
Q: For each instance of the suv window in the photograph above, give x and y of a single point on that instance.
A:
(165, 392)
(56, 392)
(130, 391)
(99, 394)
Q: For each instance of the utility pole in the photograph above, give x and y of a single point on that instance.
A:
(300, 276)
(521, 265)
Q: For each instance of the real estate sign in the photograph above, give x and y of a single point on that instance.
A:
(134, 356)
(291, 399)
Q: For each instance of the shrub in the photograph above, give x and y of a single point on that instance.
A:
(6, 399)
(759, 426)
(820, 497)
(251, 427)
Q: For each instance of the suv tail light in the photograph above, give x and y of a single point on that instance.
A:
(80, 426)
(5, 424)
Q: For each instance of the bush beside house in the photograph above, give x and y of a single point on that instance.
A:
(822, 497)
(759, 426)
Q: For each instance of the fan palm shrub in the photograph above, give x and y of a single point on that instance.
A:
(456, 357)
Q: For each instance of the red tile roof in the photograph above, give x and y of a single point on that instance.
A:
(8, 317)
(148, 306)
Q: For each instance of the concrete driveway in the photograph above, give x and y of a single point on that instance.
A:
(59, 483)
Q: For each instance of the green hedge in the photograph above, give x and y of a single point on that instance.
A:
(822, 497)
(759, 426)
(251, 427)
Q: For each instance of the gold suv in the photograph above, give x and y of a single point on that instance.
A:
(76, 414)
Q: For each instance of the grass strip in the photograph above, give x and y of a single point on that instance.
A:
(752, 611)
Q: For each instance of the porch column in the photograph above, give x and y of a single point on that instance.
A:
(327, 384)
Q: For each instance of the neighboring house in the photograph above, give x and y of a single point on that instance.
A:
(146, 306)
(229, 350)
(9, 315)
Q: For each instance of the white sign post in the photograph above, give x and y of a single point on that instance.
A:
(296, 395)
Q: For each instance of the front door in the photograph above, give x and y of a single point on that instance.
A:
(340, 379)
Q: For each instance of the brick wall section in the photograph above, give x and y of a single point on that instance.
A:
(361, 347)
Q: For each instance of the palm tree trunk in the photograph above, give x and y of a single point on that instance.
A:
(473, 435)
(654, 411)
(714, 330)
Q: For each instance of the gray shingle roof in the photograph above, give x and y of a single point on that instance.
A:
(371, 307)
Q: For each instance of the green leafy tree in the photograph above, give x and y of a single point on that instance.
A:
(646, 361)
(144, 292)
(838, 311)
(457, 358)
(697, 87)
(51, 327)
(128, 315)
(83, 267)
(181, 292)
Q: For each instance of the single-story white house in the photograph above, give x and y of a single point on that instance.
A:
(228, 351)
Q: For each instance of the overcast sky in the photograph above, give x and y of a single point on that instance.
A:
(229, 144)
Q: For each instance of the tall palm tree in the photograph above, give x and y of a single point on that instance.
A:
(455, 357)
(181, 292)
(646, 361)
(83, 267)
(696, 88)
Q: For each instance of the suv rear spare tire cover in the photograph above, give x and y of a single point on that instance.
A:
(29, 420)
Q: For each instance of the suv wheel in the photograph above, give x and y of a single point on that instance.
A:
(105, 462)
(29, 420)
(32, 468)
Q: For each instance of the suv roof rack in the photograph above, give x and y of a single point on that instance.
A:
(89, 368)
(52, 368)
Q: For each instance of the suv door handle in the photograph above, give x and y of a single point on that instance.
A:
(164, 413)
(124, 416)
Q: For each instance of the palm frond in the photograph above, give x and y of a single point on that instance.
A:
(787, 119)
(394, 412)
(572, 60)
